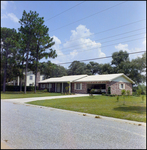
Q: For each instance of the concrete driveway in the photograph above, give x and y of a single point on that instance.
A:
(23, 100)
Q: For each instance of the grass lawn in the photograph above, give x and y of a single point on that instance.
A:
(134, 108)
(12, 95)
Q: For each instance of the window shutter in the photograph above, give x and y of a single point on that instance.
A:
(75, 86)
(80, 86)
(124, 86)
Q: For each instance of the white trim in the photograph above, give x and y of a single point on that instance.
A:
(120, 86)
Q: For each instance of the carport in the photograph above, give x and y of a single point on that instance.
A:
(99, 88)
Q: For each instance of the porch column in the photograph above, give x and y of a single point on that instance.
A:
(69, 86)
(62, 87)
(18, 81)
(55, 87)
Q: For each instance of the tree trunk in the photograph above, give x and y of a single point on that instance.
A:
(36, 67)
(5, 73)
(22, 76)
(26, 69)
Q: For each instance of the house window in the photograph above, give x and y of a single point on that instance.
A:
(42, 85)
(42, 78)
(31, 77)
(78, 86)
(121, 86)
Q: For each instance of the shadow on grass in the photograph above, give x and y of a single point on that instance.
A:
(136, 109)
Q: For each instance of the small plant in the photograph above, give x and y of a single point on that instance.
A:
(123, 93)
(128, 92)
(117, 98)
(91, 92)
(142, 98)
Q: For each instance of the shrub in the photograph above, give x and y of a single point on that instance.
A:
(142, 98)
(109, 90)
(103, 94)
(17, 88)
(128, 92)
(117, 98)
(138, 92)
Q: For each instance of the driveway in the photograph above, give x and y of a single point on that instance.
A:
(23, 100)
(35, 127)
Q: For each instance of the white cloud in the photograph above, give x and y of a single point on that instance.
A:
(74, 53)
(78, 47)
(57, 45)
(144, 42)
(125, 47)
(81, 43)
(4, 4)
(13, 17)
(4, 16)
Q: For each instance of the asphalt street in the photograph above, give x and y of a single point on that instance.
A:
(35, 127)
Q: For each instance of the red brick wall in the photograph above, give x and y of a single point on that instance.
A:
(114, 87)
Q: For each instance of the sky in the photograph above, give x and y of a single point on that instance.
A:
(85, 30)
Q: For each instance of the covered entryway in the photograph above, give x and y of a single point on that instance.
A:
(99, 88)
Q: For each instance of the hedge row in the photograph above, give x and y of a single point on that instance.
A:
(17, 88)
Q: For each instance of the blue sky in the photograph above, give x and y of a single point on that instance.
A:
(87, 29)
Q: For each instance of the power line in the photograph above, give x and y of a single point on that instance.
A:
(101, 39)
(89, 16)
(100, 58)
(104, 46)
(109, 29)
(64, 11)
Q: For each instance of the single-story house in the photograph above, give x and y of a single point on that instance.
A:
(84, 83)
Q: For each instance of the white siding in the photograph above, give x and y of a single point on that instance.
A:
(121, 79)
(41, 76)
(30, 81)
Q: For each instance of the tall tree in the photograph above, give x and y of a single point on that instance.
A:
(42, 44)
(119, 59)
(49, 69)
(77, 68)
(28, 22)
(93, 68)
(106, 69)
(9, 38)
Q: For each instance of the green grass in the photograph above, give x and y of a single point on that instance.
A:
(13, 95)
(134, 108)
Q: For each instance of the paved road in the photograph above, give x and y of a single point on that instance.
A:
(35, 127)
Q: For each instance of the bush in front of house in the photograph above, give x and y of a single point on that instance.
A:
(91, 92)
(17, 88)
(109, 90)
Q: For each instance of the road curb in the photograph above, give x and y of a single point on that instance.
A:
(92, 115)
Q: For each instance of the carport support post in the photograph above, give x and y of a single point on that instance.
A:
(69, 86)
(55, 87)
(62, 87)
